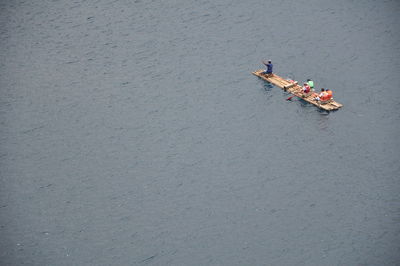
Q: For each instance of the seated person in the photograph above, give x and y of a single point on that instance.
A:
(322, 96)
(330, 95)
(306, 90)
(269, 66)
(310, 83)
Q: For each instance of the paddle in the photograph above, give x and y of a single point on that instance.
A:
(290, 98)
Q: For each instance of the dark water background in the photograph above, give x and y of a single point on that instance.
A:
(132, 133)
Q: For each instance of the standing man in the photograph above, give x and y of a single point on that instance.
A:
(269, 66)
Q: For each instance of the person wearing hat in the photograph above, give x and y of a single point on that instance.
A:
(269, 66)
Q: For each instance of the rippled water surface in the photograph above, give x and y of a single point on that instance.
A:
(133, 133)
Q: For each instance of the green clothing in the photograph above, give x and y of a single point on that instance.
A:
(311, 84)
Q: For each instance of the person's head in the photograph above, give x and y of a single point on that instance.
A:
(305, 84)
(327, 89)
(322, 89)
(308, 79)
(269, 62)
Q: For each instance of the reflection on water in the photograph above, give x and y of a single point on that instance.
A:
(268, 86)
(323, 120)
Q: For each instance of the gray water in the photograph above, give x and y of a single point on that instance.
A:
(133, 133)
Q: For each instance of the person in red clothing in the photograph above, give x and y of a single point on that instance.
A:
(306, 88)
(322, 96)
(329, 92)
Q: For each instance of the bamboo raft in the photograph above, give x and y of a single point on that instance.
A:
(297, 90)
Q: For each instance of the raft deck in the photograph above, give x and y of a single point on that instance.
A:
(297, 90)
